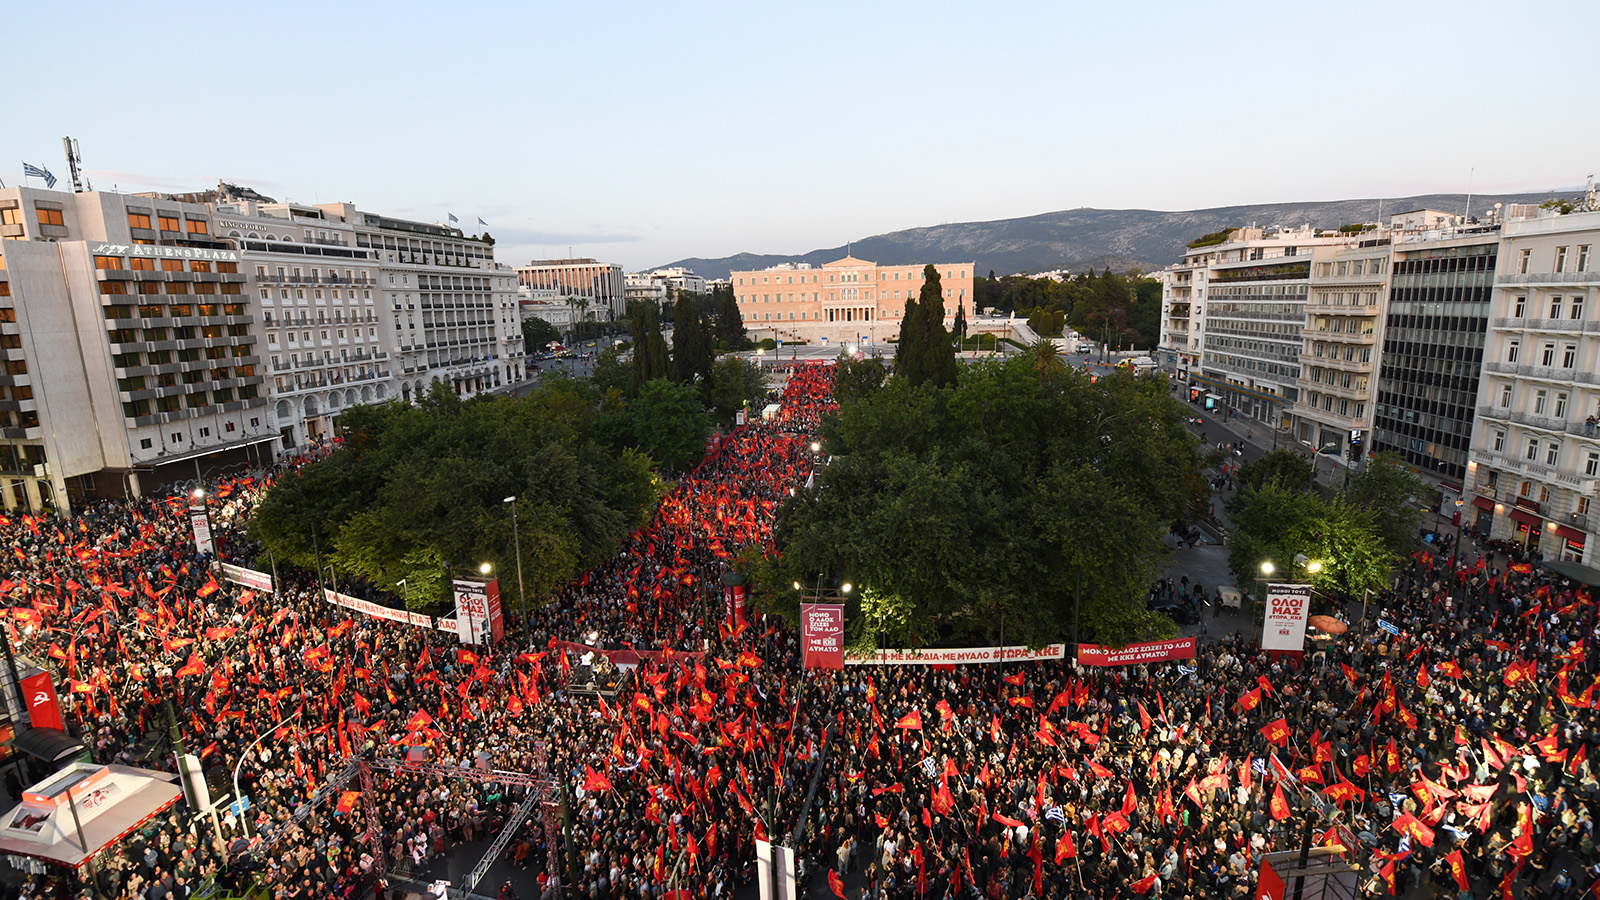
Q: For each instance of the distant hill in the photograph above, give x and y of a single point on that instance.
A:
(1080, 238)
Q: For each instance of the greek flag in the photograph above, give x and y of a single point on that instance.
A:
(482, 222)
(453, 219)
(1055, 814)
(30, 170)
(1188, 670)
(930, 767)
(1259, 766)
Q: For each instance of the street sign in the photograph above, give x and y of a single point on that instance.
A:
(780, 343)
(239, 806)
(1394, 630)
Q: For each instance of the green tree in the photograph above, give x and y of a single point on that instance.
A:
(692, 353)
(736, 383)
(537, 335)
(419, 489)
(1279, 524)
(854, 379)
(926, 353)
(1052, 476)
(1387, 487)
(728, 333)
(650, 358)
(669, 423)
(959, 327)
(1286, 468)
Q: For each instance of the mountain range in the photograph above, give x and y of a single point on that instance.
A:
(1076, 239)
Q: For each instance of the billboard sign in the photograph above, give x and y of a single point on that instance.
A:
(1288, 607)
(822, 635)
(1134, 654)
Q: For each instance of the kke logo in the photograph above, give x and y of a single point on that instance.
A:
(39, 698)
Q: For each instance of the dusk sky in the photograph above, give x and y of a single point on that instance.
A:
(645, 132)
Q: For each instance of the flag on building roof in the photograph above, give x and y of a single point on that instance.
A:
(30, 170)
(482, 222)
(453, 219)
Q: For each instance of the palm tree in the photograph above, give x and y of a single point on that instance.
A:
(1045, 355)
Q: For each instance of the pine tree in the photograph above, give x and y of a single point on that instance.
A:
(691, 345)
(960, 328)
(907, 353)
(925, 352)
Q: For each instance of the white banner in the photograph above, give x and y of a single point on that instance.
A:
(958, 656)
(202, 529)
(376, 610)
(472, 611)
(250, 578)
(1288, 607)
(775, 879)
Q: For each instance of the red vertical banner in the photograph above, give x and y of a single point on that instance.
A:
(1269, 886)
(44, 710)
(735, 599)
(822, 635)
(497, 625)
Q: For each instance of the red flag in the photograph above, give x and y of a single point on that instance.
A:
(1006, 821)
(1277, 732)
(1250, 699)
(835, 884)
(1129, 804)
(1144, 720)
(911, 719)
(1457, 868)
(1065, 849)
(1144, 884)
(1422, 676)
(347, 801)
(1279, 806)
(594, 781)
(195, 666)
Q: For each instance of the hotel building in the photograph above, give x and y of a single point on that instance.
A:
(594, 289)
(132, 358)
(1337, 387)
(843, 301)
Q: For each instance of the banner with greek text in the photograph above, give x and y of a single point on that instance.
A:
(822, 635)
(957, 656)
(250, 578)
(377, 610)
(1288, 607)
(1134, 654)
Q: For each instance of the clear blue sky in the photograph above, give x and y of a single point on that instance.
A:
(646, 132)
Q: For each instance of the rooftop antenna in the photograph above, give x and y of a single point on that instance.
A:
(74, 161)
(1470, 173)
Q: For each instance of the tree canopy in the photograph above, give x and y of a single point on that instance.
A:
(965, 511)
(419, 489)
(1109, 306)
(926, 352)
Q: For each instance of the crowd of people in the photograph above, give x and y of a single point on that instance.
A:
(1449, 750)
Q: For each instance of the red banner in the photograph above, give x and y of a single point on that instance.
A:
(735, 599)
(822, 635)
(1269, 886)
(44, 710)
(1133, 654)
(958, 655)
(497, 625)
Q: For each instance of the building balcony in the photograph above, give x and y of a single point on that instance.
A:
(1553, 278)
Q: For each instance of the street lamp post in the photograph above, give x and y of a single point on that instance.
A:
(243, 819)
(405, 593)
(516, 541)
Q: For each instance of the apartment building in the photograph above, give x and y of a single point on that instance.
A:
(1535, 460)
(662, 285)
(131, 355)
(1433, 346)
(842, 301)
(1337, 388)
(316, 303)
(451, 308)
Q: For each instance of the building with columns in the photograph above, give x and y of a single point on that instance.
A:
(595, 290)
(844, 301)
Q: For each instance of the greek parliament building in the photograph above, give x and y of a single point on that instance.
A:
(156, 339)
(844, 301)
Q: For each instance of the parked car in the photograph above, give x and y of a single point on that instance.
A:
(1178, 611)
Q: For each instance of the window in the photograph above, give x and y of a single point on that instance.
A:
(1499, 441)
(138, 220)
(1560, 410)
(1539, 398)
(1583, 258)
(172, 265)
(1569, 356)
(1513, 349)
(1524, 488)
(1522, 261)
(139, 264)
(1552, 453)
(1591, 464)
(1544, 494)
(197, 226)
(1555, 307)
(1533, 451)
(1519, 308)
(1547, 356)
(1561, 260)
(169, 223)
(1577, 307)
(48, 216)
(108, 262)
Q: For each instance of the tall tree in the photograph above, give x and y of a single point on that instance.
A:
(959, 329)
(925, 353)
(908, 352)
(650, 360)
(729, 330)
(691, 345)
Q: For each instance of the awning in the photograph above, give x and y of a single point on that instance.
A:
(1525, 517)
(1571, 534)
(46, 743)
(1586, 575)
(1483, 503)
